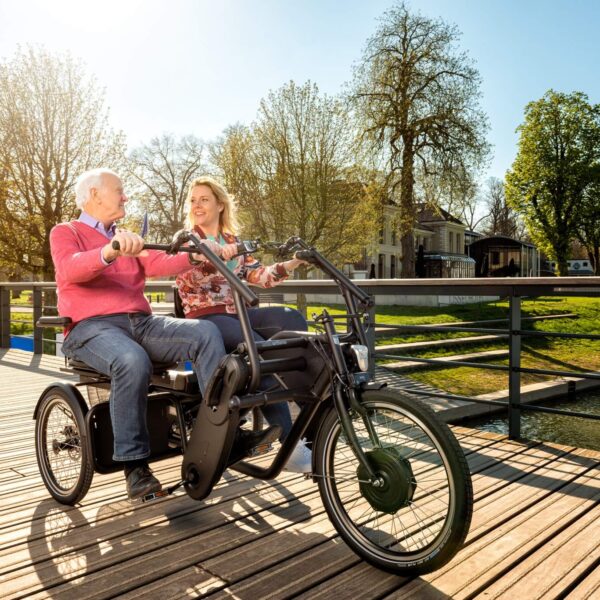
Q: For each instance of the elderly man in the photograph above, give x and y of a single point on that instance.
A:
(113, 330)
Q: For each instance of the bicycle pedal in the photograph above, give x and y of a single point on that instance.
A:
(261, 449)
(155, 495)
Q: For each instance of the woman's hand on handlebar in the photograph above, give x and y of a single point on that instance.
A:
(293, 264)
(130, 244)
(228, 251)
(211, 245)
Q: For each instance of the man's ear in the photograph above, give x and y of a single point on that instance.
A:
(94, 196)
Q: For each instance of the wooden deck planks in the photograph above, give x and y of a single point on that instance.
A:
(534, 534)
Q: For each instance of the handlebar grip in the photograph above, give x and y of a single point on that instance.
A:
(115, 245)
(304, 255)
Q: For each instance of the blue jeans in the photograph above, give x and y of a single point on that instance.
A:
(123, 347)
(265, 322)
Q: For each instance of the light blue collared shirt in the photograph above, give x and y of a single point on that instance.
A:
(92, 222)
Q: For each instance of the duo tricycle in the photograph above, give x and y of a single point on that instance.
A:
(391, 475)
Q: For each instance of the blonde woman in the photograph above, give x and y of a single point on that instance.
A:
(205, 293)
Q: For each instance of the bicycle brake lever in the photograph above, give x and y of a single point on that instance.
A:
(181, 237)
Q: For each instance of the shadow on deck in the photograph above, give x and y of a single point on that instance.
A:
(534, 534)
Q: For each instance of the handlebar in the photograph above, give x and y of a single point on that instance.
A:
(303, 251)
(197, 247)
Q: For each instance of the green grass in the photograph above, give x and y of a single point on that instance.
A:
(545, 353)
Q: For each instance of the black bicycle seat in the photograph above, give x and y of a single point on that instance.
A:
(157, 368)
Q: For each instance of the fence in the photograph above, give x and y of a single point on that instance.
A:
(512, 288)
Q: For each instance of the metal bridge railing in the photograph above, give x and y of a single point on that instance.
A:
(512, 288)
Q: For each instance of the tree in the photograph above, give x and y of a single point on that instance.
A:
(53, 126)
(455, 191)
(164, 170)
(588, 225)
(293, 173)
(416, 98)
(501, 218)
(557, 161)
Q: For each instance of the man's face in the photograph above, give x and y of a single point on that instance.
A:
(108, 200)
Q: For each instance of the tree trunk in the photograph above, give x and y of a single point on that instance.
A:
(301, 303)
(407, 206)
(562, 253)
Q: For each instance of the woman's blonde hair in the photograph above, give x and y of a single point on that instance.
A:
(227, 218)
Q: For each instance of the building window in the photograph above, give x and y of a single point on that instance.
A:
(450, 241)
(381, 266)
(393, 267)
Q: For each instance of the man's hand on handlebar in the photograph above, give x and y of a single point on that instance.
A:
(129, 244)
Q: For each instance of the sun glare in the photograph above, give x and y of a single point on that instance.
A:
(91, 17)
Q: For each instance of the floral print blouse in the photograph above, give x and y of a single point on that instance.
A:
(204, 291)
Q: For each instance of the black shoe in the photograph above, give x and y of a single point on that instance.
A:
(251, 443)
(140, 482)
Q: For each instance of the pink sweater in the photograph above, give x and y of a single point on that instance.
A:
(89, 288)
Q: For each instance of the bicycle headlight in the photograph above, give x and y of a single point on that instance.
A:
(361, 354)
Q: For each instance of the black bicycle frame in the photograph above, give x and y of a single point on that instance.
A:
(342, 383)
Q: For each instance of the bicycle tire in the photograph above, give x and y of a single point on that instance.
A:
(419, 518)
(61, 446)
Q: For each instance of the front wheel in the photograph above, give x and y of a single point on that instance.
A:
(60, 445)
(414, 515)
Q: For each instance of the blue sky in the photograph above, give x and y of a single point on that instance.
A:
(196, 66)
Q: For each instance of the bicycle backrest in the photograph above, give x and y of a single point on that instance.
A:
(177, 304)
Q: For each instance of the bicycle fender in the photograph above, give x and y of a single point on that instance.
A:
(69, 389)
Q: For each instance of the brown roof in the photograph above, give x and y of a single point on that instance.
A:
(426, 214)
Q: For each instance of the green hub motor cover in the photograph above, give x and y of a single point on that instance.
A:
(395, 473)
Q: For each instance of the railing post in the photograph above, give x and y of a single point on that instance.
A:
(38, 342)
(371, 339)
(4, 317)
(514, 363)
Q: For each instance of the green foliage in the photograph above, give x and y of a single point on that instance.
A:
(588, 224)
(292, 172)
(53, 126)
(557, 161)
(24, 326)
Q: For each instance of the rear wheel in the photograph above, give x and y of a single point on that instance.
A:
(414, 516)
(61, 449)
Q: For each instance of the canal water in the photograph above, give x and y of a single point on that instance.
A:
(571, 431)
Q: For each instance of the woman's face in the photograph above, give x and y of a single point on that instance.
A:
(205, 207)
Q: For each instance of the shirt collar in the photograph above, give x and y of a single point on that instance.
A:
(92, 222)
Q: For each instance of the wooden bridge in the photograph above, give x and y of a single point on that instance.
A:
(535, 530)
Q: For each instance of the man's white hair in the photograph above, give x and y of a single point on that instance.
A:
(88, 180)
